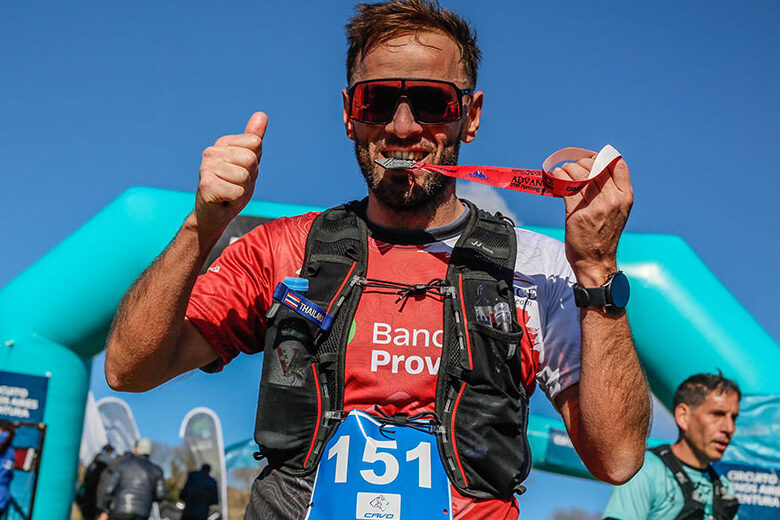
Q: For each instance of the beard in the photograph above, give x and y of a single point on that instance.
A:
(394, 192)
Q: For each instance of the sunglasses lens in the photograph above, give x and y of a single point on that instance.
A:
(432, 102)
(374, 102)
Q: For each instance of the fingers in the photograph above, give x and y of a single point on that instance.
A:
(257, 124)
(229, 168)
(214, 189)
(621, 176)
(237, 155)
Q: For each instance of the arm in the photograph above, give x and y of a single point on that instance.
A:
(150, 340)
(159, 492)
(607, 414)
(104, 500)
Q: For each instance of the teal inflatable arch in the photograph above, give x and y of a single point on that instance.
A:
(54, 317)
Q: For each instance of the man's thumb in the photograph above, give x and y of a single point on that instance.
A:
(257, 124)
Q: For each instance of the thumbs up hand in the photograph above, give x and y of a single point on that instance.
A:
(228, 172)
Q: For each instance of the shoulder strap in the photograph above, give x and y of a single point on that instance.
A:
(692, 506)
(486, 250)
(336, 255)
(724, 504)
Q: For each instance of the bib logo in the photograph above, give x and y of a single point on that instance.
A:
(384, 505)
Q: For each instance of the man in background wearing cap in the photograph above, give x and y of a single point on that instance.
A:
(133, 486)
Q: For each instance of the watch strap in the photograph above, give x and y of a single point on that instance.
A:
(590, 296)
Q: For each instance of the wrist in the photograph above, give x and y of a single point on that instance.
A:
(593, 274)
(205, 237)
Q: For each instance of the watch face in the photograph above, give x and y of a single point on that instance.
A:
(619, 290)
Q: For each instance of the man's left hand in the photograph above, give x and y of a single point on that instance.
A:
(595, 218)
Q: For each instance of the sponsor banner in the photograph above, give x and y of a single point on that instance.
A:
(93, 437)
(22, 397)
(202, 432)
(561, 452)
(756, 441)
(757, 489)
(118, 424)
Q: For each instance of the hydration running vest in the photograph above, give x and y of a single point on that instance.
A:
(481, 408)
(724, 505)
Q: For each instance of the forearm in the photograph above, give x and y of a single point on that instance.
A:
(614, 401)
(144, 345)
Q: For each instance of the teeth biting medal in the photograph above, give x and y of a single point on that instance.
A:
(540, 182)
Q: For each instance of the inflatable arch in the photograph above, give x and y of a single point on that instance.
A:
(54, 317)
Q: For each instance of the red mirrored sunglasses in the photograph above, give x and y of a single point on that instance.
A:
(432, 102)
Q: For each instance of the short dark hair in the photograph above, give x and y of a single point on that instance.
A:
(377, 23)
(206, 468)
(694, 390)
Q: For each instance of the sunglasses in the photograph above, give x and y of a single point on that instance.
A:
(432, 102)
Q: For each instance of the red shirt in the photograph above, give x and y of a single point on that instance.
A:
(394, 347)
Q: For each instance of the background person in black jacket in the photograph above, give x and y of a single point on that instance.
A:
(133, 486)
(198, 493)
(87, 497)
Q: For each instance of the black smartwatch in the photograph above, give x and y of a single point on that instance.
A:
(612, 295)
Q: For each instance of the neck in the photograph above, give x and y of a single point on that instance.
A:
(433, 215)
(685, 452)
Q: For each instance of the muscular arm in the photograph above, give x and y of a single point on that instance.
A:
(607, 414)
(150, 340)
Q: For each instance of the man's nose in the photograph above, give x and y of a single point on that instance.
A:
(729, 425)
(403, 123)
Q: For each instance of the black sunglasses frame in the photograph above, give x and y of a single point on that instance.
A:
(458, 91)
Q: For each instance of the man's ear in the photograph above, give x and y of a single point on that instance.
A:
(682, 414)
(474, 111)
(349, 125)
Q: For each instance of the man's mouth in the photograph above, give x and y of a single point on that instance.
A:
(721, 445)
(409, 155)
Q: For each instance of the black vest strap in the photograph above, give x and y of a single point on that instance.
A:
(724, 506)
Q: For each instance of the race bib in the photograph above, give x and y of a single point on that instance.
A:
(380, 472)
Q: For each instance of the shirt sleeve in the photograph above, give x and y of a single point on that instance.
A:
(559, 361)
(634, 499)
(229, 301)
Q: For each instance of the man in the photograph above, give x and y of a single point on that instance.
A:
(133, 486)
(678, 481)
(199, 492)
(399, 273)
(7, 461)
(87, 496)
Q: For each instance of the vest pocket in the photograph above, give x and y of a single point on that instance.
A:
(289, 402)
(492, 416)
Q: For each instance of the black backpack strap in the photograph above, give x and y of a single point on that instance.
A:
(724, 504)
(693, 507)
(300, 395)
(484, 255)
(336, 256)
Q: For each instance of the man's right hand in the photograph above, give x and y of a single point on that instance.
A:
(227, 176)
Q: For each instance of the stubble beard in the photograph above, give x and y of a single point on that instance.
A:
(429, 190)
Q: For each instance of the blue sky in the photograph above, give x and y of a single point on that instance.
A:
(98, 97)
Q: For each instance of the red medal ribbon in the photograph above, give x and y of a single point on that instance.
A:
(541, 181)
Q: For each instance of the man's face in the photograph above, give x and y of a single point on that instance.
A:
(426, 55)
(708, 428)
